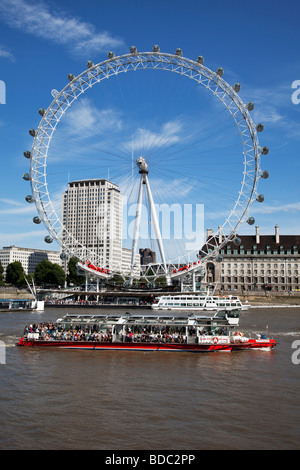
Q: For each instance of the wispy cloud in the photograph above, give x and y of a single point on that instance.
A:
(268, 115)
(271, 103)
(273, 108)
(277, 208)
(39, 19)
(14, 214)
(9, 201)
(6, 54)
(27, 239)
(173, 191)
(86, 120)
(10, 207)
(168, 134)
(260, 213)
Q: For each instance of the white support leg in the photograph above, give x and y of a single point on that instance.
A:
(136, 228)
(157, 230)
(143, 170)
(97, 298)
(86, 285)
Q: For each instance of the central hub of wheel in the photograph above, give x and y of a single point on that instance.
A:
(143, 165)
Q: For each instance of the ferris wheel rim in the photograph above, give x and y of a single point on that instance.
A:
(135, 61)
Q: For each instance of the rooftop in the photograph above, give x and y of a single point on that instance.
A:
(11, 247)
(275, 244)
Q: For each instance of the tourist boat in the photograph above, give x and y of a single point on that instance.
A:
(130, 332)
(199, 302)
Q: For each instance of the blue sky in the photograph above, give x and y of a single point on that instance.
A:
(257, 44)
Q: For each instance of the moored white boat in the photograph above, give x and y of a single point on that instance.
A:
(14, 305)
(199, 302)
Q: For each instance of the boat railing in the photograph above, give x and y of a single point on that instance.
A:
(191, 333)
(172, 338)
(108, 337)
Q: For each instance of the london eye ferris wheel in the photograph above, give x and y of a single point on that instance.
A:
(174, 136)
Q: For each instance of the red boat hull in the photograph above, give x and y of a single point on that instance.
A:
(88, 345)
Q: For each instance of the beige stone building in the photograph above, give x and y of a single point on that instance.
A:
(260, 262)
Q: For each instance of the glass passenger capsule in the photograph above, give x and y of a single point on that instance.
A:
(237, 241)
(260, 198)
(260, 127)
(265, 174)
(26, 176)
(265, 150)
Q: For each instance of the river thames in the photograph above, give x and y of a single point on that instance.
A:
(126, 400)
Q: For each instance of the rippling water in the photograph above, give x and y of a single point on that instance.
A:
(60, 399)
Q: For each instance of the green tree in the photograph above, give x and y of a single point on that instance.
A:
(59, 275)
(49, 273)
(73, 277)
(15, 274)
(117, 279)
(2, 282)
(41, 271)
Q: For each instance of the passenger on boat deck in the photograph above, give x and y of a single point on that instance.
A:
(55, 332)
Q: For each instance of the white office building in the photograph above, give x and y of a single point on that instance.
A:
(92, 212)
(29, 257)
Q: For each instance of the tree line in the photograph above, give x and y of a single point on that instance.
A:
(45, 274)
